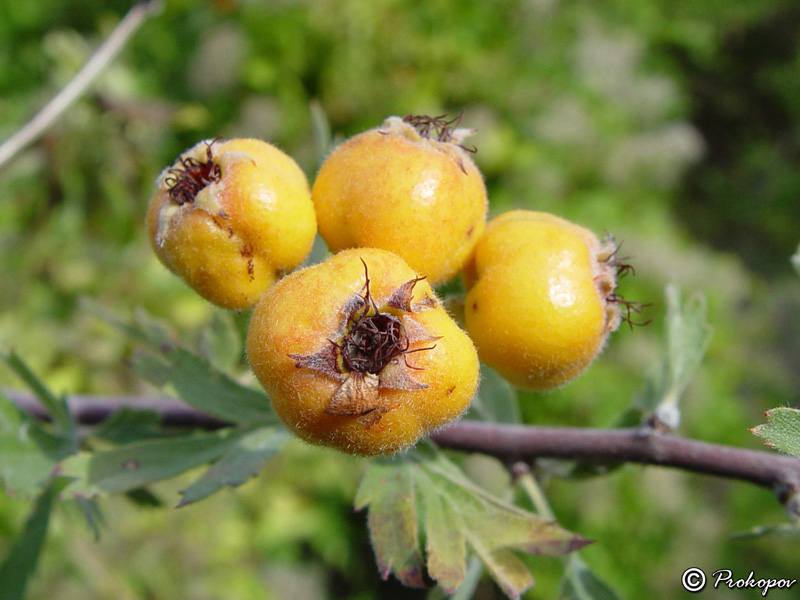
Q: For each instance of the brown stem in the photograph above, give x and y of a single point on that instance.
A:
(512, 443)
(639, 445)
(91, 410)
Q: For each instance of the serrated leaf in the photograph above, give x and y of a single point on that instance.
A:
(90, 510)
(24, 468)
(456, 515)
(508, 571)
(782, 430)
(581, 583)
(21, 561)
(496, 400)
(388, 490)
(198, 384)
(142, 463)
(128, 425)
(498, 523)
(321, 131)
(28, 453)
(687, 335)
(242, 462)
(63, 423)
(143, 328)
(192, 378)
(220, 342)
(446, 546)
(11, 418)
(466, 590)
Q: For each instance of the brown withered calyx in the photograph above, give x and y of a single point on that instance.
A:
(186, 181)
(370, 351)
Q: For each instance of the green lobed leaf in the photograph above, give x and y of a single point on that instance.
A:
(198, 384)
(20, 564)
(28, 453)
(128, 425)
(63, 423)
(388, 490)
(581, 583)
(321, 131)
(499, 523)
(782, 430)
(90, 509)
(456, 514)
(241, 462)
(24, 469)
(508, 571)
(193, 378)
(142, 463)
(475, 571)
(143, 328)
(687, 335)
(220, 342)
(446, 545)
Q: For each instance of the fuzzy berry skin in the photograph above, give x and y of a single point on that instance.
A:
(540, 303)
(303, 326)
(395, 189)
(230, 217)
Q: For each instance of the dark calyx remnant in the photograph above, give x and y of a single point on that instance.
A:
(373, 342)
(375, 338)
(623, 268)
(367, 357)
(439, 127)
(186, 181)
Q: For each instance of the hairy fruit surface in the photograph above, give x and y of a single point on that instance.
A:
(357, 353)
(541, 299)
(409, 187)
(230, 217)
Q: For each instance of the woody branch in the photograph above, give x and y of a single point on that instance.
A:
(511, 443)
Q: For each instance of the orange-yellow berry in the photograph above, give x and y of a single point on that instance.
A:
(409, 187)
(230, 217)
(541, 299)
(358, 353)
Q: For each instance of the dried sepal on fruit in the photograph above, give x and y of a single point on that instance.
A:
(230, 217)
(370, 352)
(191, 175)
(409, 186)
(358, 353)
(542, 297)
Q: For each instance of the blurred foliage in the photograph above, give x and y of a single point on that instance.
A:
(672, 125)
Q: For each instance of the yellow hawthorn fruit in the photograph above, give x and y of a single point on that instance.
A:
(230, 217)
(541, 299)
(358, 353)
(409, 187)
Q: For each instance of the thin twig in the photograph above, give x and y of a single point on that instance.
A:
(512, 443)
(107, 51)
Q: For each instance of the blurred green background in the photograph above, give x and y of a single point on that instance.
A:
(672, 125)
